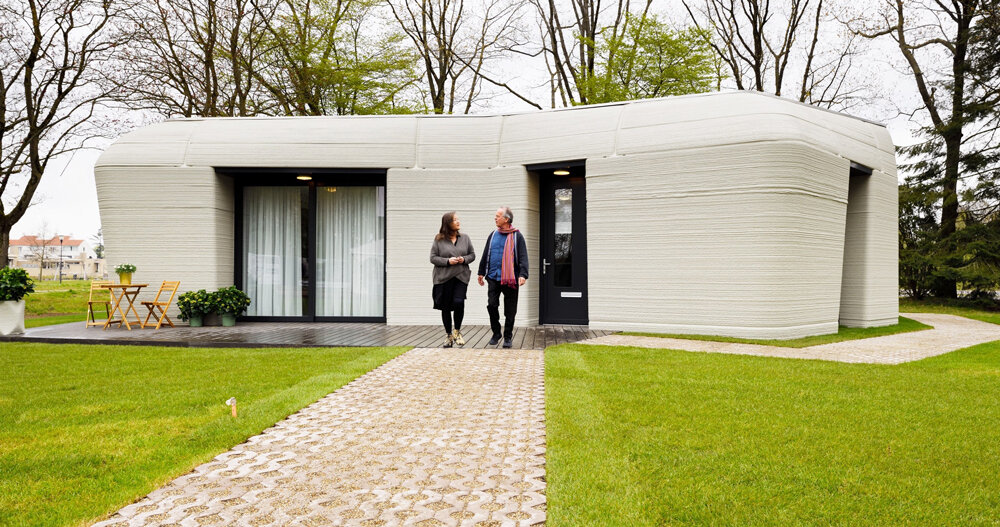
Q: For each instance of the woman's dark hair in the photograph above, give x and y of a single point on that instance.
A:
(446, 230)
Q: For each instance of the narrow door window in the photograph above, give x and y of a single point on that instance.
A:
(563, 261)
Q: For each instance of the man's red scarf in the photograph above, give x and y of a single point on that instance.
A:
(507, 276)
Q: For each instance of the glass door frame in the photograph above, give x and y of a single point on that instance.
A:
(286, 177)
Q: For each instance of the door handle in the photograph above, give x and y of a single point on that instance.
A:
(545, 265)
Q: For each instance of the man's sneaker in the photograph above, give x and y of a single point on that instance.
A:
(507, 343)
(495, 340)
(457, 336)
(449, 342)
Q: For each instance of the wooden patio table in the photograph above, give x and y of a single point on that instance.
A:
(127, 292)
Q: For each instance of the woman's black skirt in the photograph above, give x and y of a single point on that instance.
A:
(448, 294)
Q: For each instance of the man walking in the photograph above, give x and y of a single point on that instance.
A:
(505, 267)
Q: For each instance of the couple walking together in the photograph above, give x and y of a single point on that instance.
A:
(504, 267)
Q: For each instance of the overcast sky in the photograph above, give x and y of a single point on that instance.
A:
(65, 201)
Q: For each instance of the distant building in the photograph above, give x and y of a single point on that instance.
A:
(42, 258)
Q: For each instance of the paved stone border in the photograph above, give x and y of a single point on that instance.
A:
(431, 438)
(950, 333)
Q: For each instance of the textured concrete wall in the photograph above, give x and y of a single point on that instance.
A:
(721, 213)
(416, 199)
(171, 223)
(749, 244)
(869, 292)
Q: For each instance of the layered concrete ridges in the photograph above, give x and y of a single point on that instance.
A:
(728, 213)
(635, 127)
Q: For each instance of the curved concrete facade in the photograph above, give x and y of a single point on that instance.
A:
(732, 213)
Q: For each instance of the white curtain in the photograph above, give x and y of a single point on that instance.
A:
(272, 250)
(350, 246)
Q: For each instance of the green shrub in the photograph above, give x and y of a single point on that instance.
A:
(15, 284)
(196, 304)
(231, 301)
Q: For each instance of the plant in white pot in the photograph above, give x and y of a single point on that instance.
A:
(15, 284)
(230, 302)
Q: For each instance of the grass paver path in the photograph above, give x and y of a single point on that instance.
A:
(949, 333)
(433, 437)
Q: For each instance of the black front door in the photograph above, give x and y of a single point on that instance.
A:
(563, 295)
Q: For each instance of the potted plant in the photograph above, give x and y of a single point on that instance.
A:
(230, 302)
(194, 305)
(15, 284)
(125, 271)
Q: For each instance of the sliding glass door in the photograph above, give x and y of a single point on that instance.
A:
(312, 250)
(275, 244)
(350, 251)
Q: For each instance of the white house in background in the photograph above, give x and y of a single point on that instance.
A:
(79, 261)
(731, 213)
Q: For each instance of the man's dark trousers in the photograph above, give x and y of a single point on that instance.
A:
(509, 308)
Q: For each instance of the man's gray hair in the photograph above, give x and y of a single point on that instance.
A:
(508, 214)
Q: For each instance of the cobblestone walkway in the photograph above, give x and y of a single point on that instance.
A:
(432, 438)
(950, 333)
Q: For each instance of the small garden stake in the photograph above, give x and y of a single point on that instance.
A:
(232, 404)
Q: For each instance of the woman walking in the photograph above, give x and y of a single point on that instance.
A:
(451, 254)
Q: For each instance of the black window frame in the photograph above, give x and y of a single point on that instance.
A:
(321, 177)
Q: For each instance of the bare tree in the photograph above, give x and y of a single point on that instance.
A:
(763, 45)
(98, 239)
(192, 57)
(49, 88)
(569, 41)
(572, 33)
(322, 58)
(39, 247)
(458, 43)
(929, 33)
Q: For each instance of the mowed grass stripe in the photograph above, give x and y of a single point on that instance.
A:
(664, 437)
(85, 430)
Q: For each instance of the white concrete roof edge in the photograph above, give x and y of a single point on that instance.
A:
(531, 112)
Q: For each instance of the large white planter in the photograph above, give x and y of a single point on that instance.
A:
(11, 317)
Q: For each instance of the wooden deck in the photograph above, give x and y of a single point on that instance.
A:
(296, 334)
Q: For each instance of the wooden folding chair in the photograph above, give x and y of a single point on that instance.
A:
(161, 306)
(95, 287)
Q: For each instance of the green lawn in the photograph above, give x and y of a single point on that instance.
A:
(51, 298)
(55, 303)
(905, 325)
(664, 437)
(54, 285)
(85, 430)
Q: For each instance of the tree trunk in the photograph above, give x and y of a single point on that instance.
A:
(4, 245)
(946, 288)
